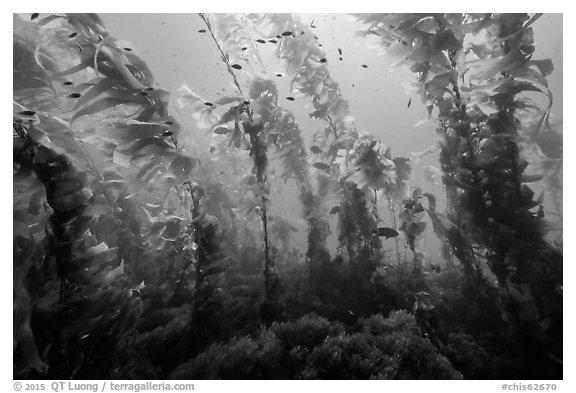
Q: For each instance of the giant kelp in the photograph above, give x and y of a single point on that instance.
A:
(475, 91)
(138, 255)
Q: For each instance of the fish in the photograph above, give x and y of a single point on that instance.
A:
(221, 130)
(260, 41)
(30, 117)
(409, 102)
(364, 66)
(168, 133)
(321, 165)
(386, 232)
(340, 51)
(530, 178)
(323, 60)
(340, 58)
(320, 45)
(335, 210)
(34, 16)
(128, 49)
(301, 33)
(74, 95)
(208, 104)
(353, 85)
(169, 123)
(273, 41)
(290, 98)
(244, 48)
(315, 149)
(68, 83)
(312, 24)
(316, 37)
(236, 66)
(202, 31)
(73, 35)
(279, 75)
(287, 33)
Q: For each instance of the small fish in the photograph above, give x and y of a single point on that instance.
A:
(290, 98)
(301, 33)
(386, 232)
(68, 83)
(315, 149)
(74, 95)
(320, 45)
(73, 35)
(128, 49)
(202, 31)
(273, 41)
(168, 133)
(321, 165)
(364, 66)
(278, 36)
(169, 123)
(353, 85)
(221, 130)
(323, 60)
(27, 113)
(244, 48)
(246, 102)
(208, 104)
(316, 37)
(340, 58)
(409, 102)
(335, 210)
(260, 41)
(34, 16)
(312, 24)
(340, 51)
(287, 33)
(530, 178)
(236, 66)
(279, 75)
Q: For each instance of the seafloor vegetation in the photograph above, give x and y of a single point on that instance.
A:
(133, 259)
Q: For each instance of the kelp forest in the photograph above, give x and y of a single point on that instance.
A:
(147, 236)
